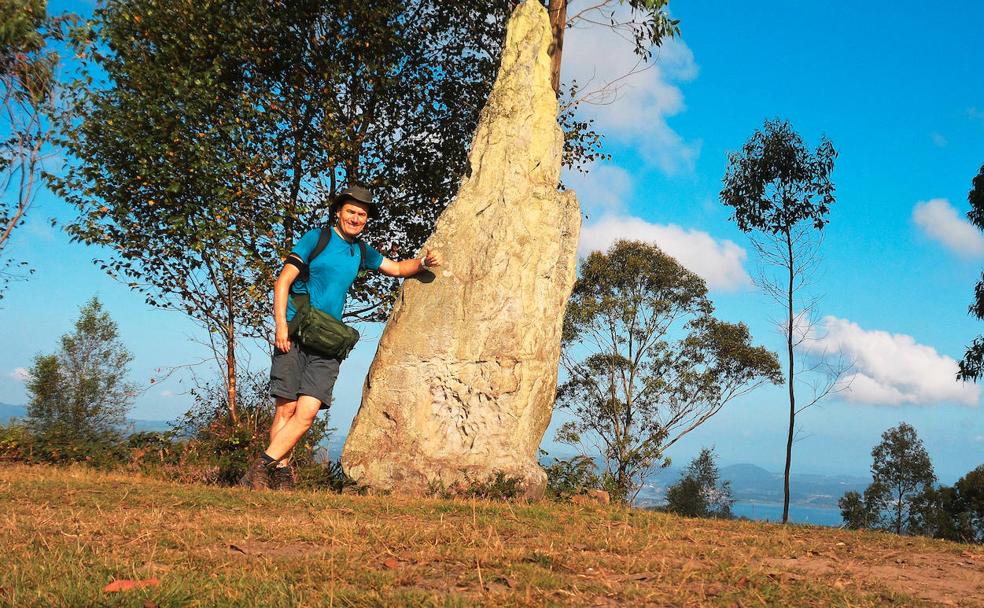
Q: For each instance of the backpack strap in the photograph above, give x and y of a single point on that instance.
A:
(323, 238)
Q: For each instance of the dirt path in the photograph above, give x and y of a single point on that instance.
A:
(937, 577)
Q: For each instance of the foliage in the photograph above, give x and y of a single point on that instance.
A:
(970, 490)
(698, 493)
(648, 24)
(498, 486)
(79, 396)
(209, 136)
(16, 443)
(28, 94)
(901, 496)
(152, 451)
(936, 512)
(972, 364)
(863, 511)
(782, 191)
(567, 478)
(901, 469)
(646, 361)
(953, 513)
(222, 449)
(775, 182)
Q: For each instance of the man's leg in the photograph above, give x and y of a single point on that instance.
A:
(285, 410)
(284, 440)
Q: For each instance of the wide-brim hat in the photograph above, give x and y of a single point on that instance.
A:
(358, 194)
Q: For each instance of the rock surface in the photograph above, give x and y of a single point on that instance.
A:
(463, 383)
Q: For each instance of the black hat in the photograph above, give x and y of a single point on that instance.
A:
(355, 193)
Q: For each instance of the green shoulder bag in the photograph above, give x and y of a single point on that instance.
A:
(319, 331)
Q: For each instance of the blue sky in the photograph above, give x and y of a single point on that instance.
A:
(895, 86)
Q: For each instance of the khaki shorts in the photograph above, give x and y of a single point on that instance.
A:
(303, 372)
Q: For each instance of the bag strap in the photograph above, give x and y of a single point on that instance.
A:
(324, 237)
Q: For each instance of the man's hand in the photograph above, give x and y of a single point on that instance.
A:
(282, 340)
(432, 258)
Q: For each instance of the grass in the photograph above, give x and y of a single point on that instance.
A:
(66, 533)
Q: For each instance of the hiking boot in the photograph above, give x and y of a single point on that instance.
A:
(257, 476)
(283, 478)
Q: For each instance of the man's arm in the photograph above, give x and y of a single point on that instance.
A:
(408, 268)
(281, 291)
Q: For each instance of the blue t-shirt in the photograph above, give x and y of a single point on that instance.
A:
(332, 272)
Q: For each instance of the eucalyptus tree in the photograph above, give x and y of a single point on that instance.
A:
(901, 468)
(648, 24)
(972, 364)
(781, 193)
(647, 362)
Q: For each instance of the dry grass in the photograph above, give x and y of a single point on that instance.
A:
(66, 533)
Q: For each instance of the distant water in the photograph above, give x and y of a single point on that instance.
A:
(800, 514)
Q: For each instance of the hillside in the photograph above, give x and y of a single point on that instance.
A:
(66, 533)
(8, 413)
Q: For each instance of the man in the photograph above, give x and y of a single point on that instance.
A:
(301, 380)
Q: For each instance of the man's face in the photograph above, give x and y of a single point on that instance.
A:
(352, 218)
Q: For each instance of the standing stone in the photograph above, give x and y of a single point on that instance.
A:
(463, 383)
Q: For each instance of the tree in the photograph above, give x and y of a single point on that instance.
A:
(901, 469)
(952, 513)
(210, 135)
(698, 493)
(79, 396)
(646, 361)
(782, 192)
(972, 364)
(937, 512)
(648, 25)
(28, 93)
(862, 511)
(970, 490)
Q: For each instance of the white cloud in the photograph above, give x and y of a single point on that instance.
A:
(720, 263)
(167, 394)
(632, 109)
(941, 222)
(603, 189)
(938, 140)
(20, 374)
(892, 369)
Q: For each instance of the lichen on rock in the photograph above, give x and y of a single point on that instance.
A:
(464, 380)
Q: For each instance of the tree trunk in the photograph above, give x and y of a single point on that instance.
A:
(898, 513)
(558, 23)
(792, 392)
(230, 336)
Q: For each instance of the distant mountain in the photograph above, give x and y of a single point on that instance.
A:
(753, 484)
(9, 412)
(749, 476)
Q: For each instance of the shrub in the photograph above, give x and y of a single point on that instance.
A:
(566, 478)
(219, 450)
